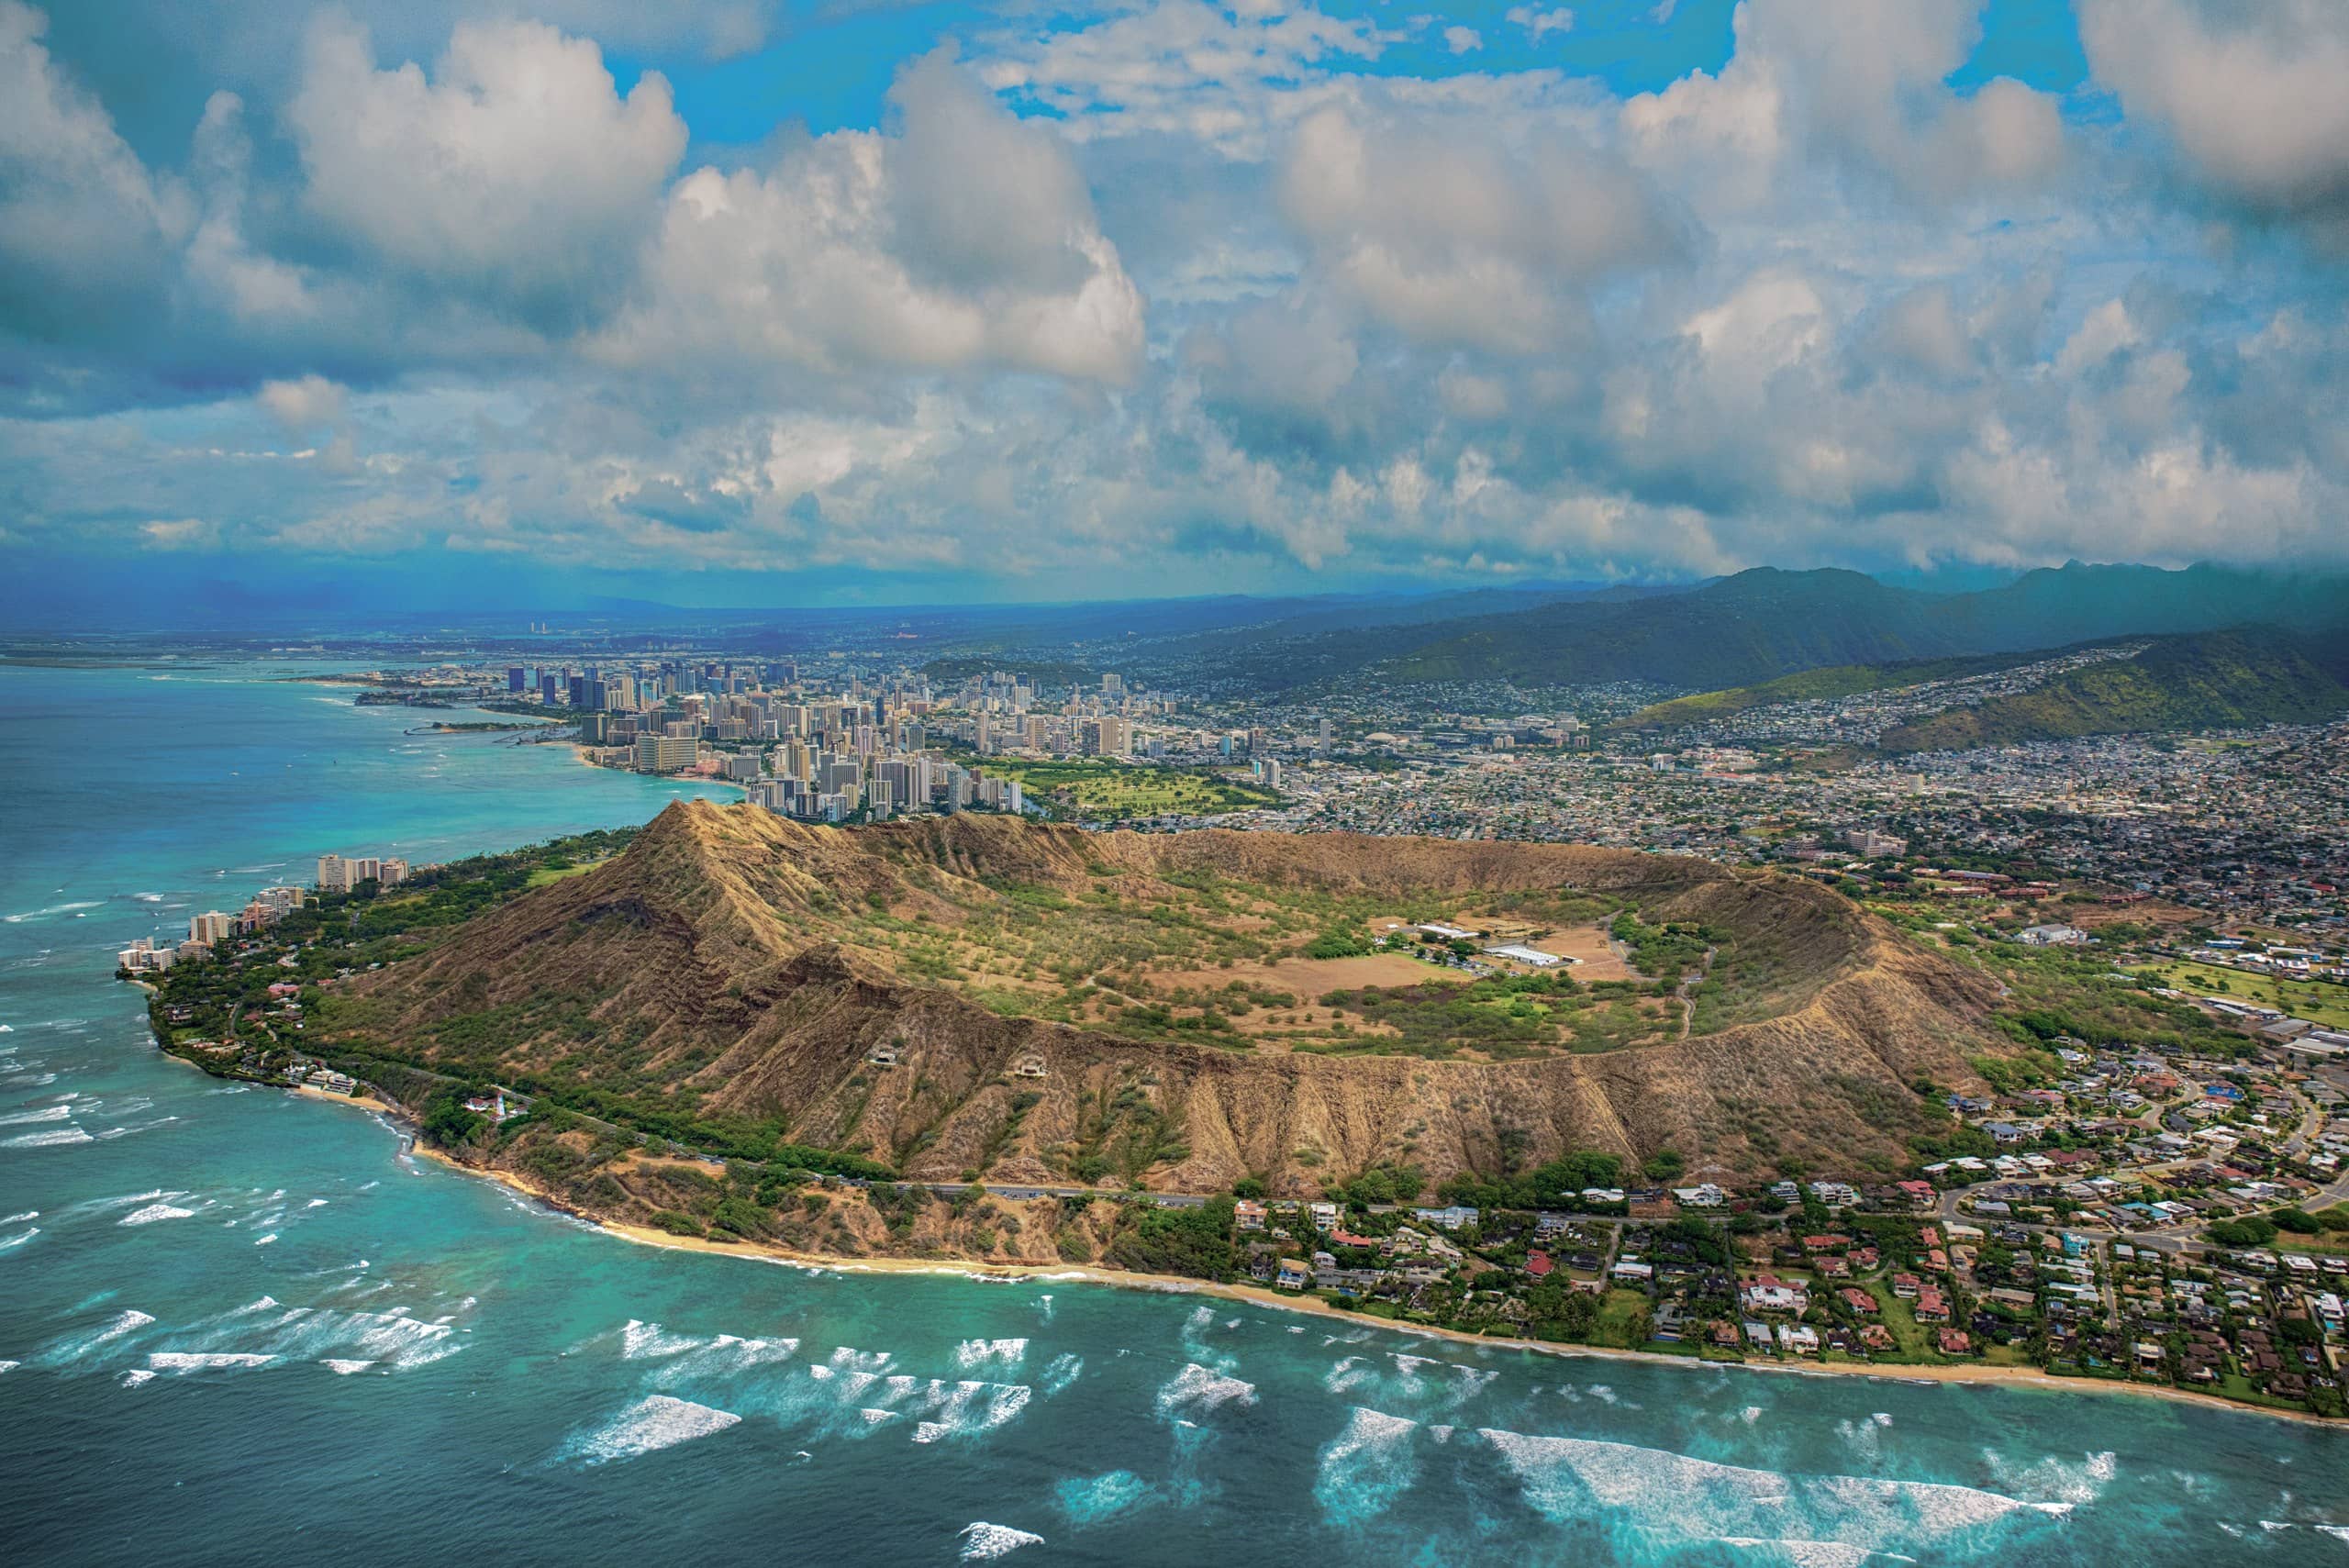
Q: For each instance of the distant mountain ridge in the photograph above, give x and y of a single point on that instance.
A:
(2224, 680)
(1765, 623)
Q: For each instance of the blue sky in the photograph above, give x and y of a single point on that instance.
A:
(830, 68)
(756, 303)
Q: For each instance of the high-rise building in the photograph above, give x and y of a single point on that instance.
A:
(840, 775)
(517, 679)
(334, 874)
(666, 753)
(143, 957)
(211, 927)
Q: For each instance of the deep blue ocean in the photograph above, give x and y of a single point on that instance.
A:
(239, 1326)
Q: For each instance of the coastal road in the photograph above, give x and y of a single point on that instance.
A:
(1019, 1192)
(1165, 1200)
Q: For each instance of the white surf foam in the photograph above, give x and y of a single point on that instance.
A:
(1197, 1389)
(67, 1351)
(60, 1136)
(2054, 1480)
(990, 1353)
(342, 1368)
(966, 1408)
(1694, 1499)
(1365, 1467)
(138, 1127)
(202, 1360)
(1060, 1372)
(47, 1113)
(722, 1355)
(651, 1424)
(648, 1341)
(10, 1243)
(154, 1212)
(983, 1542)
(1809, 1553)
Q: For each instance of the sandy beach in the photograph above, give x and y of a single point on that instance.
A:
(364, 1102)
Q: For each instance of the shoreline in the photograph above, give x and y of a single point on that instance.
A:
(326, 1096)
(1257, 1295)
(579, 753)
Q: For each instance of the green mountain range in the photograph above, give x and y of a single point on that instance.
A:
(2208, 680)
(1766, 623)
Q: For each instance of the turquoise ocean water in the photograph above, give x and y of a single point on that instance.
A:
(243, 1328)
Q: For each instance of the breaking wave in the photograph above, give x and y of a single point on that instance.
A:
(1197, 1389)
(205, 1361)
(1365, 1467)
(65, 1352)
(63, 1135)
(1662, 1493)
(1809, 1553)
(965, 1408)
(651, 1424)
(983, 1542)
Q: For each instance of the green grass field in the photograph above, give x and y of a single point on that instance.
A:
(1621, 1317)
(2318, 1001)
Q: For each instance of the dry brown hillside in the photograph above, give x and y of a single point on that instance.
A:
(743, 966)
